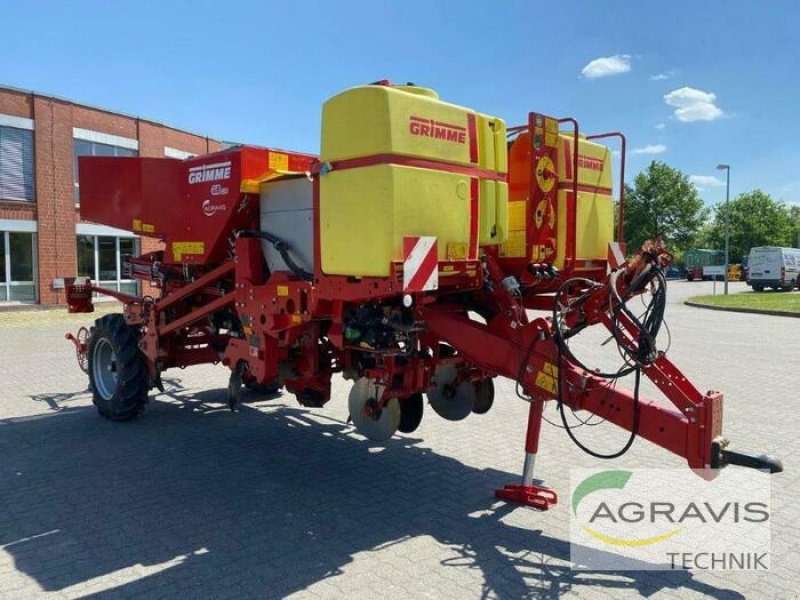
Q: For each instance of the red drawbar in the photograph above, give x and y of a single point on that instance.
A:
(472, 132)
(474, 191)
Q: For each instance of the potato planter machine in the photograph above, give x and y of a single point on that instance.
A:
(405, 257)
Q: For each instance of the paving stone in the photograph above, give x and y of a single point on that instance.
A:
(192, 501)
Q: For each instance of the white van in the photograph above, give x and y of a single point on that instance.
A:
(773, 267)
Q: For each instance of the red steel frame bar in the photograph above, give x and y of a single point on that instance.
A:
(197, 314)
(122, 297)
(501, 351)
(197, 285)
(527, 352)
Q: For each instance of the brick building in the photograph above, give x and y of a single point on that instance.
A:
(42, 237)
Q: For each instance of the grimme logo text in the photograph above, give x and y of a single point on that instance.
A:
(437, 130)
(213, 172)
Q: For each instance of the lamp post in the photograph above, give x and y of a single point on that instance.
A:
(727, 169)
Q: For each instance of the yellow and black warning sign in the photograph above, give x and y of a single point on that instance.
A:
(547, 378)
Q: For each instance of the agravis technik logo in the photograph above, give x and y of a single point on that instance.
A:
(670, 519)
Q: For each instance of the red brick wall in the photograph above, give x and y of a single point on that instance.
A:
(24, 211)
(54, 190)
(17, 104)
(54, 195)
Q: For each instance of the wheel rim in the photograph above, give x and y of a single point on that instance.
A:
(104, 368)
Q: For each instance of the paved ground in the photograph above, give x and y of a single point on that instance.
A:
(191, 501)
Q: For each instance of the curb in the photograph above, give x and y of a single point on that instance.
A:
(17, 308)
(755, 311)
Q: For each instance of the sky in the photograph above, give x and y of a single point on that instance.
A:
(691, 83)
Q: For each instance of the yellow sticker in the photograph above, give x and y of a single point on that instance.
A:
(137, 225)
(283, 290)
(181, 248)
(456, 250)
(547, 378)
(278, 161)
(148, 228)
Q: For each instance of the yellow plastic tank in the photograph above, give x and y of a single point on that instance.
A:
(594, 219)
(404, 163)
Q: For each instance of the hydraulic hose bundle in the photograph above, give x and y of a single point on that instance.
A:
(636, 354)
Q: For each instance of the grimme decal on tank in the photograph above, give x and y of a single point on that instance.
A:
(437, 130)
(586, 162)
(213, 172)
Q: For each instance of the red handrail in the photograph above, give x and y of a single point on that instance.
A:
(621, 210)
(572, 206)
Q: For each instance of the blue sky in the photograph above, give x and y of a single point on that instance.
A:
(690, 83)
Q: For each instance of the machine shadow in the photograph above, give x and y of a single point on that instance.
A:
(192, 500)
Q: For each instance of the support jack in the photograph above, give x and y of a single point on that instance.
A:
(527, 493)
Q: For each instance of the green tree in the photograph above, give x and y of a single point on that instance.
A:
(662, 202)
(756, 219)
(795, 213)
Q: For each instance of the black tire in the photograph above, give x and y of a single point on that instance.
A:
(484, 396)
(411, 410)
(758, 288)
(121, 393)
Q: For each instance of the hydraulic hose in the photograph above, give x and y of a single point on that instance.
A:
(283, 249)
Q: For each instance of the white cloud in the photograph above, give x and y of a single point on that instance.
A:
(702, 181)
(693, 105)
(663, 76)
(651, 149)
(660, 126)
(607, 65)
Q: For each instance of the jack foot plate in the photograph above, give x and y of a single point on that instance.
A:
(530, 495)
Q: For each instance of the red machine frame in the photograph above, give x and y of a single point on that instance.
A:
(300, 324)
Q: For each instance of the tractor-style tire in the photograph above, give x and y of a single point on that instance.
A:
(118, 375)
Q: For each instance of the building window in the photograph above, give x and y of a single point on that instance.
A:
(87, 148)
(177, 153)
(100, 259)
(17, 266)
(16, 164)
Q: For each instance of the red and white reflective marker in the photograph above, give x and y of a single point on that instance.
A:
(420, 264)
(616, 255)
